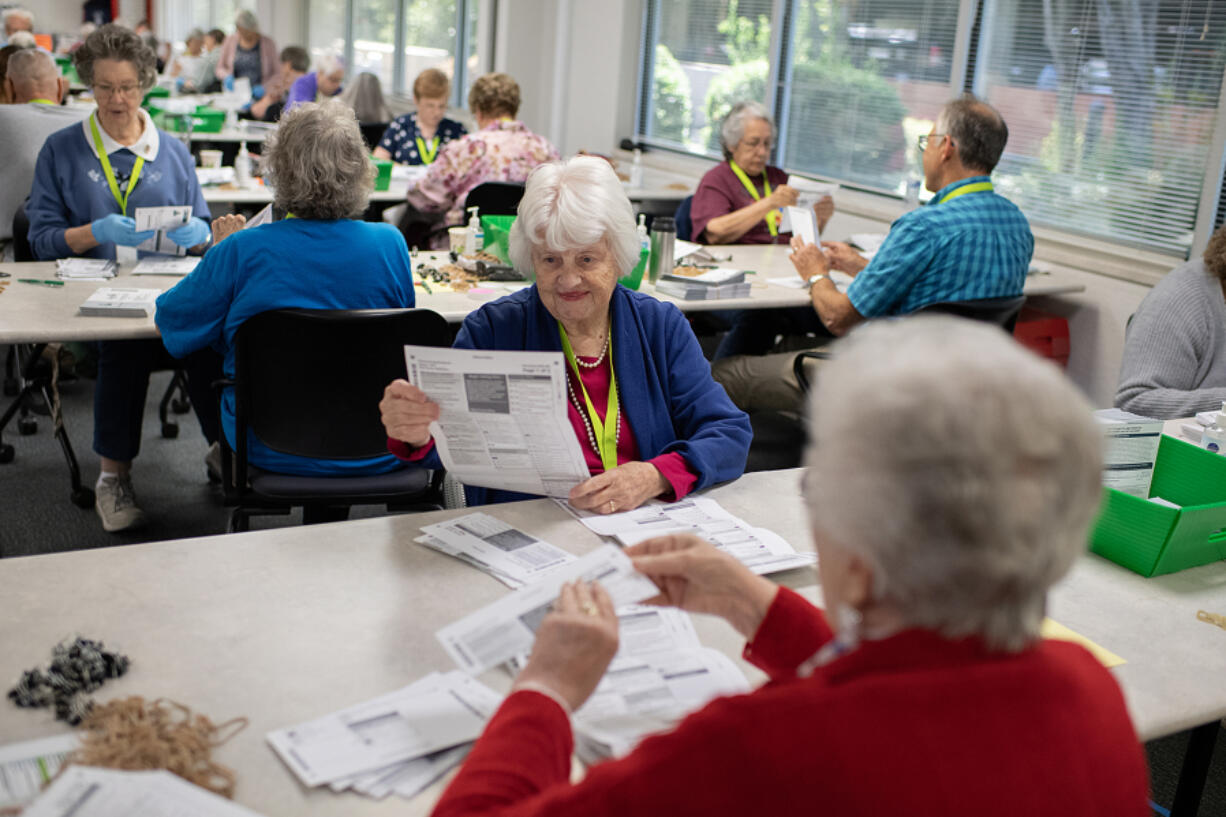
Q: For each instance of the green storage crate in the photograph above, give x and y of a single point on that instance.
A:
(67, 69)
(204, 120)
(383, 175)
(156, 92)
(1153, 539)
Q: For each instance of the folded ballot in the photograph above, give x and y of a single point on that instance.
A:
(86, 791)
(508, 554)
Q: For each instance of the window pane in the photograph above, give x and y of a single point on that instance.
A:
(374, 39)
(429, 38)
(326, 24)
(867, 77)
(1109, 124)
(707, 54)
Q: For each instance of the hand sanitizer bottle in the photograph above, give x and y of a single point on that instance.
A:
(474, 239)
(1214, 437)
(242, 166)
(636, 169)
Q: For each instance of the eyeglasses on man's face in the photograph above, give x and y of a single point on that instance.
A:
(922, 141)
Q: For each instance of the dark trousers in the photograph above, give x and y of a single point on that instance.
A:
(123, 380)
(753, 331)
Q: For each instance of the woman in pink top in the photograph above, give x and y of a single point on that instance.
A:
(501, 150)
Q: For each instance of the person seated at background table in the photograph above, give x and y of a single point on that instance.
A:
(187, 65)
(1174, 361)
(415, 137)
(207, 81)
(295, 62)
(501, 150)
(738, 200)
(952, 478)
(364, 96)
(36, 89)
(325, 257)
(967, 244)
(247, 54)
(325, 82)
(161, 51)
(88, 181)
(5, 54)
(17, 20)
(633, 360)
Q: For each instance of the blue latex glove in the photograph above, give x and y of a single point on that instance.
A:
(117, 229)
(179, 83)
(228, 83)
(257, 92)
(190, 234)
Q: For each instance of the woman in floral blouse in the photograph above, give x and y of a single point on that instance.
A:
(417, 137)
(501, 150)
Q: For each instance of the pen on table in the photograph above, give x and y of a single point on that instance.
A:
(425, 286)
(47, 282)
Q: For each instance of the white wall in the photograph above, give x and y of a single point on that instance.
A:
(56, 16)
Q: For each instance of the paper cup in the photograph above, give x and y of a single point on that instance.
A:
(210, 158)
(456, 236)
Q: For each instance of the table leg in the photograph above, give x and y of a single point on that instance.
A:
(1195, 770)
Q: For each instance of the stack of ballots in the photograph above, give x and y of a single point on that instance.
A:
(85, 269)
(699, 284)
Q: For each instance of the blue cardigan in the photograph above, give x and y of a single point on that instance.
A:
(664, 382)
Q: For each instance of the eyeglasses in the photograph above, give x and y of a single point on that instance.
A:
(922, 141)
(129, 91)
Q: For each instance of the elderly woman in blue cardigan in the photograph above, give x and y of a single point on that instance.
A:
(675, 429)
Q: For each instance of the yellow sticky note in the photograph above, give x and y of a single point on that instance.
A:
(1056, 630)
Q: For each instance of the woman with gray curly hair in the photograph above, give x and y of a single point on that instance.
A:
(88, 182)
(952, 477)
(321, 256)
(648, 417)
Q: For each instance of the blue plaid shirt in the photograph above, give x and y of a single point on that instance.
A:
(977, 245)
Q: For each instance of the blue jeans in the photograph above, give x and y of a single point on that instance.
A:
(123, 380)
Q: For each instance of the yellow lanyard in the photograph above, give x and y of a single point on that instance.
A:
(43, 102)
(977, 187)
(427, 153)
(606, 431)
(772, 218)
(110, 173)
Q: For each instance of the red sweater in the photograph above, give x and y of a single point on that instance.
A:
(913, 724)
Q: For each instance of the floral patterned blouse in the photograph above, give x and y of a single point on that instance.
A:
(504, 151)
(400, 138)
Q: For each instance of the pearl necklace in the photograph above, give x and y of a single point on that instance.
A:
(587, 423)
(604, 350)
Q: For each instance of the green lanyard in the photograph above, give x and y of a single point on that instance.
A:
(772, 218)
(427, 153)
(43, 102)
(110, 173)
(977, 187)
(605, 432)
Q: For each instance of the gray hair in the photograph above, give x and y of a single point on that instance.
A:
(194, 34)
(977, 129)
(572, 204)
(318, 164)
(114, 42)
(18, 14)
(247, 19)
(732, 129)
(329, 63)
(34, 67)
(962, 467)
(365, 96)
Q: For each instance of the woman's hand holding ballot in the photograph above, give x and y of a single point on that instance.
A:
(407, 413)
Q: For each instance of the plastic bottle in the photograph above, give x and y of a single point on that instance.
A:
(474, 238)
(635, 278)
(242, 166)
(1214, 437)
(636, 169)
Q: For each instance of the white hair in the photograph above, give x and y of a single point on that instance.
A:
(963, 468)
(572, 204)
(732, 129)
(23, 39)
(18, 14)
(329, 64)
(247, 19)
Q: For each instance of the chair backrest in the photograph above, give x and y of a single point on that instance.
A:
(22, 251)
(495, 198)
(685, 225)
(372, 132)
(308, 382)
(1000, 311)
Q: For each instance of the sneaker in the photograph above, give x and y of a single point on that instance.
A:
(212, 462)
(116, 504)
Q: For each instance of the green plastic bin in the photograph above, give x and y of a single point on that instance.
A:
(497, 230)
(156, 92)
(1153, 539)
(383, 173)
(204, 120)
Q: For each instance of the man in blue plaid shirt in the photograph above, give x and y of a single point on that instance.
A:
(967, 244)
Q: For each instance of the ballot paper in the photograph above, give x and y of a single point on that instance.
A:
(163, 220)
(868, 243)
(841, 281)
(642, 695)
(803, 222)
(87, 791)
(500, 631)
(1130, 450)
(682, 248)
(644, 630)
(25, 767)
(502, 421)
(165, 265)
(408, 779)
(121, 302)
(439, 711)
(262, 217)
(496, 547)
(761, 550)
(809, 193)
(85, 269)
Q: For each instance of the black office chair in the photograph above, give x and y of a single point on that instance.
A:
(372, 132)
(496, 198)
(308, 383)
(685, 224)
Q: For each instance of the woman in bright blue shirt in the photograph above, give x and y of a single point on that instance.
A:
(417, 137)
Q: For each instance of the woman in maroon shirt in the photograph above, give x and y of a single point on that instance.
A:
(951, 480)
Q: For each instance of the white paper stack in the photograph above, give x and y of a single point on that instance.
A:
(85, 269)
(87, 791)
(398, 743)
(25, 767)
(713, 284)
(513, 557)
(1130, 449)
(166, 265)
(214, 175)
(761, 550)
(121, 302)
